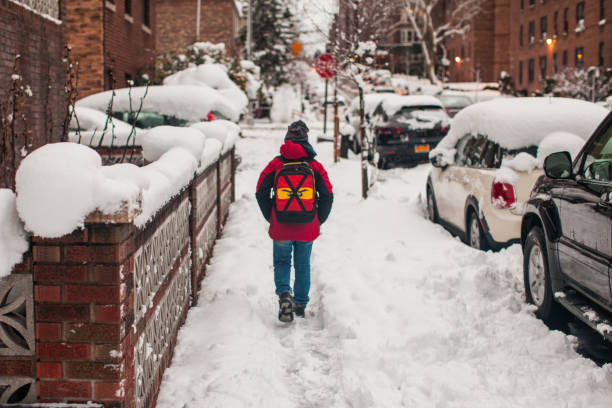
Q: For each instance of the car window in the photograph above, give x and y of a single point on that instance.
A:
(478, 152)
(427, 113)
(455, 101)
(460, 148)
(597, 165)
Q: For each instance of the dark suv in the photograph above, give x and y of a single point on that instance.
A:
(566, 234)
(406, 128)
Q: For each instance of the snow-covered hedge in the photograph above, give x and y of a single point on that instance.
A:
(13, 241)
(60, 184)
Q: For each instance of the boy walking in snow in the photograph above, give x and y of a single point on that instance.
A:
(295, 196)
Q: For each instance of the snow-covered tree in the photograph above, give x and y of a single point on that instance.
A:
(433, 23)
(273, 34)
(591, 84)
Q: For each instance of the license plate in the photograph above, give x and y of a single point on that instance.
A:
(421, 148)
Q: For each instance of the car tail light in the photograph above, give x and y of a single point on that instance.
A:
(398, 130)
(444, 129)
(211, 116)
(503, 195)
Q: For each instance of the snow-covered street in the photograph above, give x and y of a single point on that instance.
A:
(402, 314)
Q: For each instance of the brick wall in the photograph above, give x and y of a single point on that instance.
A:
(176, 24)
(589, 39)
(40, 43)
(106, 297)
(129, 43)
(83, 30)
(104, 36)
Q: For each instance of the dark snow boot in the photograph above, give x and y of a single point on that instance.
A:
(285, 307)
(299, 310)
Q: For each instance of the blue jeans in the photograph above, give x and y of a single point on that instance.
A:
(282, 268)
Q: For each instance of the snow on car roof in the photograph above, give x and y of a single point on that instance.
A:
(515, 123)
(188, 102)
(393, 103)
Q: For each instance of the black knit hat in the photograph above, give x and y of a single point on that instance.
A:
(297, 132)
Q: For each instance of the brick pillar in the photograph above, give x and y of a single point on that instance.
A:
(84, 314)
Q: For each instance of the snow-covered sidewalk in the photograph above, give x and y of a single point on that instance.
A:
(401, 315)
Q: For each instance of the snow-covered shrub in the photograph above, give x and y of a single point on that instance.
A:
(592, 84)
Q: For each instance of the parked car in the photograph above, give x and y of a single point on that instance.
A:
(566, 233)
(406, 128)
(172, 105)
(486, 166)
(453, 102)
(350, 133)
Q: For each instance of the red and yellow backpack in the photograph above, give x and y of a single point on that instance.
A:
(295, 198)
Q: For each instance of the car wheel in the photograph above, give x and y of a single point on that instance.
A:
(538, 287)
(432, 209)
(475, 235)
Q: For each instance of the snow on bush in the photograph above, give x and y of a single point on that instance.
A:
(559, 142)
(188, 102)
(224, 131)
(160, 139)
(517, 123)
(91, 123)
(285, 104)
(59, 184)
(214, 76)
(13, 241)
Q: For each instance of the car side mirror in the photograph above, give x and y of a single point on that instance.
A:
(437, 161)
(558, 165)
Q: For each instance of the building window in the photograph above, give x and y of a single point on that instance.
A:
(462, 52)
(403, 36)
(531, 3)
(602, 9)
(128, 7)
(521, 36)
(542, 67)
(579, 60)
(520, 72)
(555, 64)
(565, 59)
(555, 24)
(580, 16)
(601, 54)
(530, 70)
(522, 4)
(565, 20)
(543, 27)
(146, 18)
(531, 32)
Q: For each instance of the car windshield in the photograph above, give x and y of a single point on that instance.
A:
(147, 120)
(455, 101)
(420, 113)
(598, 161)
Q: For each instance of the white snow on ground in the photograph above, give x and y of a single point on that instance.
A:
(401, 313)
(13, 242)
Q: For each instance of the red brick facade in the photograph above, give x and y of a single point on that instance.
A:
(39, 41)
(110, 39)
(570, 45)
(220, 22)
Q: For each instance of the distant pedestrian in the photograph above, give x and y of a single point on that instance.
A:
(295, 196)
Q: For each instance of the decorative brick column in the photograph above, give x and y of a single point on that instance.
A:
(83, 295)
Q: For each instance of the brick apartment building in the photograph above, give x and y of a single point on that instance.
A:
(32, 30)
(220, 22)
(113, 40)
(482, 53)
(548, 36)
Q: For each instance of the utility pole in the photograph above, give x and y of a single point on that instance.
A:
(336, 122)
(249, 30)
(198, 12)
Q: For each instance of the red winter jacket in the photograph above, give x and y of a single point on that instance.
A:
(282, 232)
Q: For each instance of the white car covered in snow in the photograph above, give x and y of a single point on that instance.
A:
(485, 168)
(164, 105)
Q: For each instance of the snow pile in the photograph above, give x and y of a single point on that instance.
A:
(521, 162)
(224, 131)
(163, 138)
(59, 184)
(559, 142)
(188, 102)
(91, 123)
(516, 123)
(13, 238)
(214, 76)
(285, 104)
